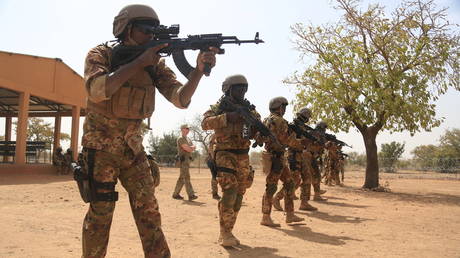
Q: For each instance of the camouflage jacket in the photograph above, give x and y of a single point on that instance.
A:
(227, 135)
(279, 127)
(118, 135)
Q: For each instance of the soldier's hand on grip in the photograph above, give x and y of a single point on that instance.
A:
(233, 117)
(206, 60)
(150, 57)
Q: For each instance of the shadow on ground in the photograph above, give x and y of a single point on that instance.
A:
(248, 251)
(333, 218)
(305, 233)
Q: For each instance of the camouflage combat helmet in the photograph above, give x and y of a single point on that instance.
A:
(321, 125)
(133, 12)
(233, 80)
(304, 114)
(275, 103)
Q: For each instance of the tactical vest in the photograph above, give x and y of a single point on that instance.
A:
(134, 100)
(230, 136)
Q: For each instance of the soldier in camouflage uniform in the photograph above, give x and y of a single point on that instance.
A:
(118, 100)
(298, 157)
(332, 160)
(275, 164)
(68, 159)
(316, 151)
(231, 153)
(59, 161)
(184, 150)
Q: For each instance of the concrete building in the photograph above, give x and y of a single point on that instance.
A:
(32, 86)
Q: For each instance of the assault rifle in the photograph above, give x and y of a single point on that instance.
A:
(301, 129)
(122, 54)
(333, 138)
(327, 136)
(244, 111)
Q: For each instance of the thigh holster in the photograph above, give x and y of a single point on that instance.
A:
(87, 186)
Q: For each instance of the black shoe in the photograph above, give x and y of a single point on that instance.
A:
(216, 196)
(177, 197)
(193, 197)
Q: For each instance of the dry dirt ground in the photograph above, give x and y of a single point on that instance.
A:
(41, 216)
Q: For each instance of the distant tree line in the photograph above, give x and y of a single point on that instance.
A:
(444, 157)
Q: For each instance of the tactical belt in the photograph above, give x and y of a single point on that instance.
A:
(226, 170)
(236, 151)
(94, 185)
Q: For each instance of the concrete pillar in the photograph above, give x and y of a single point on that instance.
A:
(75, 128)
(8, 123)
(57, 132)
(21, 137)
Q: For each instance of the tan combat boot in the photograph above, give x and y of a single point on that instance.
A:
(227, 239)
(318, 198)
(291, 217)
(267, 221)
(277, 204)
(305, 206)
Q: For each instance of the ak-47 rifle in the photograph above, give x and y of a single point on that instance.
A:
(333, 138)
(326, 136)
(301, 129)
(122, 54)
(244, 110)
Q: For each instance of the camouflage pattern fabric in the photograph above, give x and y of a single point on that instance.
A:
(120, 154)
(59, 163)
(135, 177)
(184, 179)
(233, 186)
(279, 127)
(229, 136)
(214, 188)
(288, 184)
(305, 186)
(184, 164)
(155, 170)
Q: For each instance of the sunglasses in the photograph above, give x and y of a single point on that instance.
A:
(144, 28)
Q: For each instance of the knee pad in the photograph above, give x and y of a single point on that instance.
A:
(228, 198)
(271, 189)
(238, 202)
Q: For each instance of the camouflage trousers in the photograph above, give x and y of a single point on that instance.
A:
(303, 179)
(184, 179)
(273, 176)
(136, 178)
(214, 186)
(313, 167)
(233, 176)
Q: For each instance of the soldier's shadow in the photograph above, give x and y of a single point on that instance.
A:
(341, 204)
(305, 233)
(249, 251)
(193, 203)
(333, 218)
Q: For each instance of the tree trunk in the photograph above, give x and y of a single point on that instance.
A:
(372, 164)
